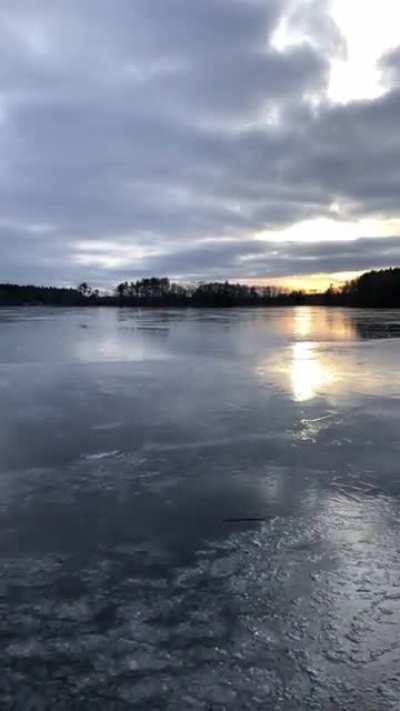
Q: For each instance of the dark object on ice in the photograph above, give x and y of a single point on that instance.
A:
(245, 520)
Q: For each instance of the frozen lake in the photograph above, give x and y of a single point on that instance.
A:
(199, 509)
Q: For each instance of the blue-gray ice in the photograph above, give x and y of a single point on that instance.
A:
(136, 447)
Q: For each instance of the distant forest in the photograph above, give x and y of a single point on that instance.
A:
(375, 289)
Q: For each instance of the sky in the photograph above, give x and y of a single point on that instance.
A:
(249, 140)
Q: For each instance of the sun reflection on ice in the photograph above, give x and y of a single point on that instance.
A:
(308, 373)
(303, 323)
(324, 353)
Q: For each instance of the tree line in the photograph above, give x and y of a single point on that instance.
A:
(159, 292)
(151, 292)
(375, 289)
(379, 289)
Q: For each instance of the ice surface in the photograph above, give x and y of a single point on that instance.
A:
(134, 453)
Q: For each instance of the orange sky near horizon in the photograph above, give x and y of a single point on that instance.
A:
(306, 282)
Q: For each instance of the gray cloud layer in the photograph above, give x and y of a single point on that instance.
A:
(157, 136)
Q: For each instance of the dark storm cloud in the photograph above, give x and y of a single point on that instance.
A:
(156, 126)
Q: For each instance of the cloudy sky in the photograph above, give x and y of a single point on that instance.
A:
(200, 139)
